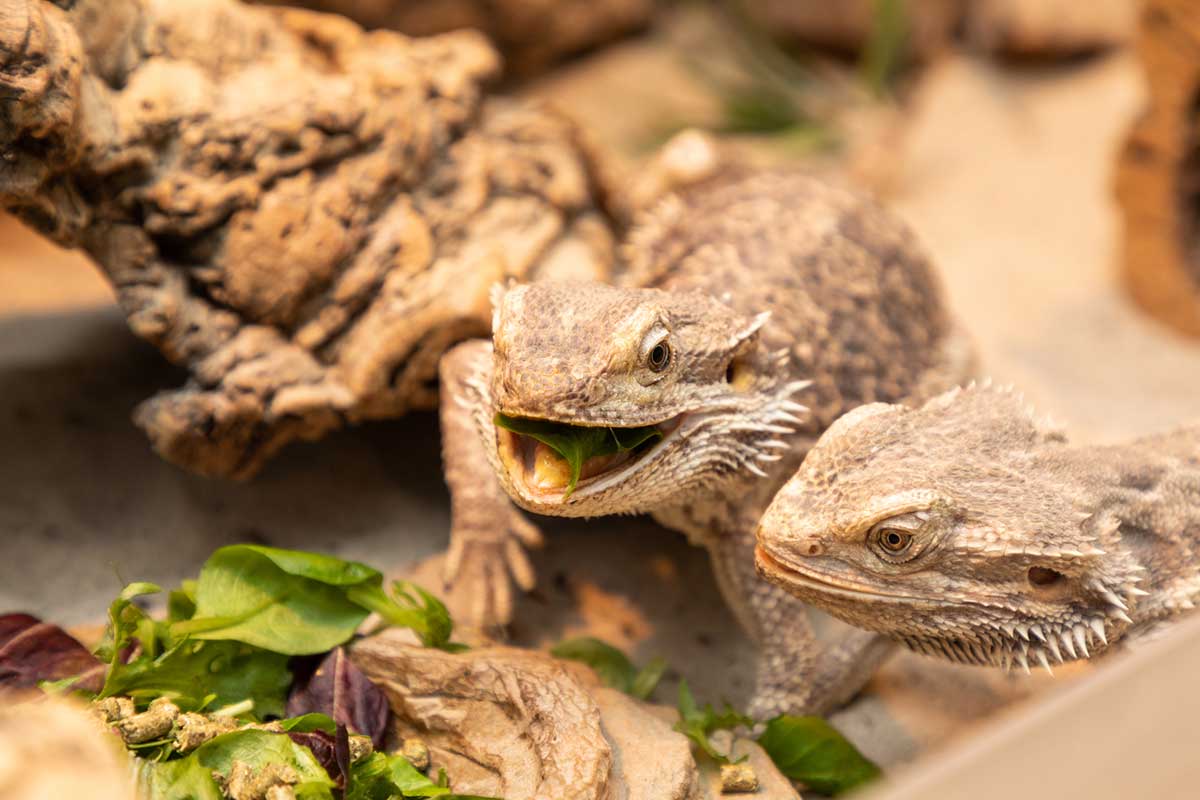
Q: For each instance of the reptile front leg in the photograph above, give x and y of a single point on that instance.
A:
(797, 673)
(488, 534)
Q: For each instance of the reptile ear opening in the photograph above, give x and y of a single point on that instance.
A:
(740, 373)
(1042, 577)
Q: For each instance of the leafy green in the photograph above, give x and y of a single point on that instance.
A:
(297, 603)
(307, 723)
(285, 601)
(124, 621)
(759, 109)
(196, 674)
(884, 52)
(260, 748)
(698, 723)
(613, 666)
(381, 777)
(411, 607)
(181, 779)
(809, 750)
(193, 673)
(577, 443)
(191, 778)
(384, 777)
(181, 602)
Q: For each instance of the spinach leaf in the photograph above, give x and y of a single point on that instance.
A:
(809, 750)
(577, 443)
(698, 723)
(614, 667)
(298, 603)
(285, 601)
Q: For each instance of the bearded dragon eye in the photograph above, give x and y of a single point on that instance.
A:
(659, 356)
(894, 541)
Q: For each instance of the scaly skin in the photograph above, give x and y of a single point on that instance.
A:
(783, 302)
(969, 529)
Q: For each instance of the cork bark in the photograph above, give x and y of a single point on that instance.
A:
(531, 34)
(1158, 172)
(303, 214)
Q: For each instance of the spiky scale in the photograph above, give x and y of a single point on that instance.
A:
(1081, 640)
(1098, 629)
(1068, 644)
(1023, 660)
(1052, 643)
(1040, 654)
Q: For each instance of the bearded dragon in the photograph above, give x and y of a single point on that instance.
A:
(755, 309)
(970, 529)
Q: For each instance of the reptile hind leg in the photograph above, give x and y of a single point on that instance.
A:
(797, 673)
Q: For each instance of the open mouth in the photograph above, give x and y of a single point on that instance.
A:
(554, 460)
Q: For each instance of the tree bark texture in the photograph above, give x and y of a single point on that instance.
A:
(304, 214)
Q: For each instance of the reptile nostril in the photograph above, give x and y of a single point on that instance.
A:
(813, 549)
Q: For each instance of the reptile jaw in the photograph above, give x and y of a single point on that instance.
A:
(999, 644)
(809, 585)
(543, 476)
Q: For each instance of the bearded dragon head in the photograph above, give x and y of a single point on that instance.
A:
(675, 390)
(956, 528)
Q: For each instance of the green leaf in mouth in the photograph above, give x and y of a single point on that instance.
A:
(575, 444)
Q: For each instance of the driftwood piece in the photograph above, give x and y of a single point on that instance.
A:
(303, 214)
(517, 723)
(531, 34)
(1158, 173)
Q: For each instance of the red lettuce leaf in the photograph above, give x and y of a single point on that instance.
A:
(324, 749)
(32, 651)
(341, 691)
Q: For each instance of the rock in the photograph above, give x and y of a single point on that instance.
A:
(517, 723)
(650, 760)
(772, 785)
(303, 214)
(53, 748)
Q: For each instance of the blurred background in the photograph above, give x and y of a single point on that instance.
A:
(1044, 151)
